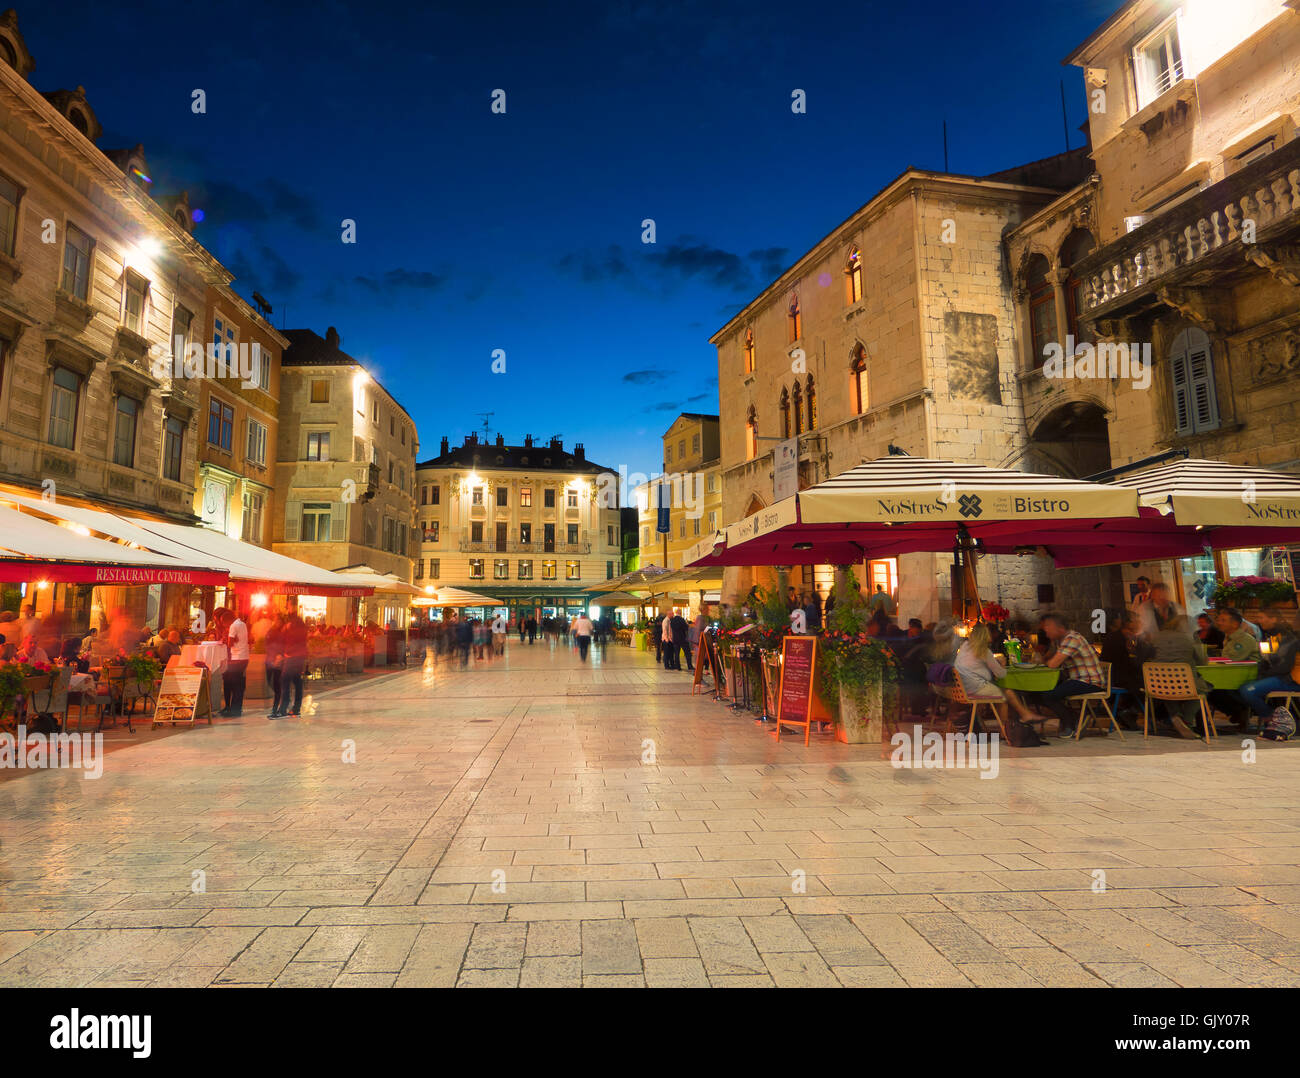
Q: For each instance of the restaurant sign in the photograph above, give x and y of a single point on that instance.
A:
(107, 575)
(765, 520)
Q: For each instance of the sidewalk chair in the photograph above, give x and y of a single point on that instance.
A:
(1088, 699)
(1173, 682)
(957, 694)
(1289, 699)
(54, 699)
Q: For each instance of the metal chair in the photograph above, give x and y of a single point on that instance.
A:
(1101, 697)
(1173, 682)
(957, 694)
(54, 699)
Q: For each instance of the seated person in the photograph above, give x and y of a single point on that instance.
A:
(1080, 668)
(1275, 670)
(1239, 643)
(31, 652)
(1126, 650)
(977, 668)
(1209, 634)
(1174, 643)
(169, 647)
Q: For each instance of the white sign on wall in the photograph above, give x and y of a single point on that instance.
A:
(215, 497)
(785, 469)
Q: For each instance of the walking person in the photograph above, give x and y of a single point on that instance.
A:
(582, 629)
(677, 630)
(499, 634)
(294, 641)
(657, 637)
(532, 629)
(464, 640)
(233, 678)
(275, 664)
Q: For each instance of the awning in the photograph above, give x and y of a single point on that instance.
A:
(457, 597)
(637, 580)
(244, 563)
(36, 549)
(385, 582)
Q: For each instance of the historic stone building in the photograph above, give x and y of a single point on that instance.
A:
(1186, 242)
(534, 525)
(692, 491)
(345, 463)
(898, 329)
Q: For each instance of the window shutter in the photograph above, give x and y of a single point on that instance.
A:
(292, 521)
(1182, 394)
(1205, 405)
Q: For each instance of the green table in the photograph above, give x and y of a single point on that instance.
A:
(1228, 675)
(1030, 678)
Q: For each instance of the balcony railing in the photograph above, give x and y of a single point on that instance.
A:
(1206, 234)
(538, 547)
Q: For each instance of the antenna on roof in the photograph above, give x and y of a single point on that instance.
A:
(260, 302)
(486, 416)
(1065, 119)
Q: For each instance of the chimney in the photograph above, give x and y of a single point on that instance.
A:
(501, 442)
(332, 337)
(528, 441)
(579, 451)
(471, 439)
(556, 444)
(445, 446)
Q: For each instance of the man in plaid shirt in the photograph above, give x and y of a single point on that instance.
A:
(1080, 668)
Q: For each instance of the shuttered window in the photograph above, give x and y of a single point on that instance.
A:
(1191, 366)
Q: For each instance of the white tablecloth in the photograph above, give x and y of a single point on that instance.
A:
(211, 653)
(81, 683)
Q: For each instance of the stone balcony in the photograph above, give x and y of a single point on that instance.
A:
(1170, 259)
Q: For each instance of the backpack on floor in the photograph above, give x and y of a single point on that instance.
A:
(1280, 726)
(1021, 735)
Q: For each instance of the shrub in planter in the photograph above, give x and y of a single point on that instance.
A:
(1242, 591)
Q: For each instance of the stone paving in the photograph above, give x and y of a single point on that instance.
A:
(507, 825)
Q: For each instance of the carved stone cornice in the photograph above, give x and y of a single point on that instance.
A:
(1204, 307)
(1280, 260)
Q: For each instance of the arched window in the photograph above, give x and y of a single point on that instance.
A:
(853, 277)
(1078, 245)
(797, 403)
(858, 380)
(811, 397)
(751, 434)
(1042, 308)
(1191, 366)
(795, 320)
(785, 412)
(749, 351)
(8, 53)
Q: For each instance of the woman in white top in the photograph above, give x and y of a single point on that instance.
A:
(978, 668)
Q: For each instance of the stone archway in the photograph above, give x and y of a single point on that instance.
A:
(1071, 440)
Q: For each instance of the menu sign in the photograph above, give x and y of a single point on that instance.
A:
(181, 698)
(798, 659)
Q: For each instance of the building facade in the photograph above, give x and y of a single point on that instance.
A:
(345, 465)
(690, 487)
(1183, 246)
(533, 525)
(896, 330)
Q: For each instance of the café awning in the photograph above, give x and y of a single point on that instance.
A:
(381, 582)
(36, 549)
(457, 597)
(246, 564)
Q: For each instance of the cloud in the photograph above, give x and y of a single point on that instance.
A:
(666, 406)
(225, 203)
(689, 260)
(590, 266)
(264, 271)
(640, 378)
(420, 280)
(699, 397)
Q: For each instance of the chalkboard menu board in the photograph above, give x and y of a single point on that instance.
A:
(181, 698)
(795, 703)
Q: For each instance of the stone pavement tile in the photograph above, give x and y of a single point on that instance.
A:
(942, 882)
(675, 973)
(740, 981)
(569, 891)
(777, 933)
(800, 969)
(613, 980)
(551, 971)
(779, 886)
(1247, 875)
(265, 958)
(383, 949)
(838, 940)
(564, 911)
(1040, 879)
(435, 958)
(1002, 930)
(610, 947)
(725, 947)
(590, 873)
(11, 943)
(637, 854)
(881, 976)
(365, 980)
(1264, 930)
(711, 888)
(704, 907)
(1246, 966)
(1071, 937)
(308, 975)
(838, 884)
(1180, 964)
(261, 917)
(170, 918)
(1266, 855)
(954, 938)
(904, 948)
(1210, 896)
(618, 890)
(553, 938)
(1190, 859)
(1052, 968)
(1087, 899)
(800, 904)
(665, 937)
(719, 869)
(1130, 975)
(999, 974)
(331, 944)
(187, 977)
(496, 946)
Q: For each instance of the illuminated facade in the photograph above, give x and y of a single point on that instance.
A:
(692, 491)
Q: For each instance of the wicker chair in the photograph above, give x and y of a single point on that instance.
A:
(1173, 682)
(1087, 699)
(956, 693)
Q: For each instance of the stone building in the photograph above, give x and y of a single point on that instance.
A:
(1186, 241)
(239, 423)
(345, 469)
(692, 491)
(534, 525)
(897, 329)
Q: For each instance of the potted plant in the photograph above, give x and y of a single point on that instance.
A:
(1252, 592)
(855, 669)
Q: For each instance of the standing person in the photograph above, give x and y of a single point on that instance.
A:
(293, 639)
(234, 676)
(657, 637)
(1158, 608)
(582, 629)
(29, 624)
(680, 631)
(812, 611)
(464, 640)
(274, 638)
(1142, 596)
(522, 626)
(532, 629)
(791, 599)
(499, 634)
(1080, 668)
(883, 601)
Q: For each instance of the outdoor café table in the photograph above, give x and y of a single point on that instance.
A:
(1029, 679)
(1228, 675)
(212, 654)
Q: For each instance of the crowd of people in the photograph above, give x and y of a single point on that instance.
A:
(462, 637)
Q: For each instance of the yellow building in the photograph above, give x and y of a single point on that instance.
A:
(691, 486)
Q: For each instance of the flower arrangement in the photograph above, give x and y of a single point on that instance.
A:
(145, 667)
(12, 676)
(995, 612)
(851, 659)
(1252, 591)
